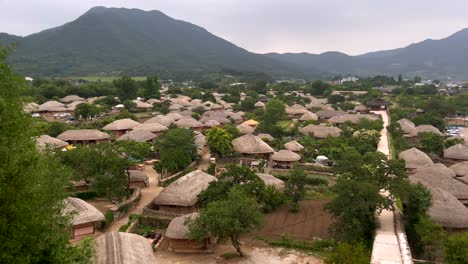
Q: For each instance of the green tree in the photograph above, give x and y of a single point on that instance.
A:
(344, 253)
(336, 98)
(417, 79)
(318, 88)
(152, 87)
(32, 227)
(126, 88)
(86, 110)
(55, 128)
(248, 104)
(400, 78)
(431, 143)
(177, 150)
(219, 141)
(274, 112)
(238, 214)
(295, 186)
(456, 249)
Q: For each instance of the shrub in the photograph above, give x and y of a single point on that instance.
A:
(345, 253)
(456, 249)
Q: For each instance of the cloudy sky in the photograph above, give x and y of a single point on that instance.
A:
(314, 26)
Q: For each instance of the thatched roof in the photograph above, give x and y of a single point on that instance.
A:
(439, 176)
(293, 145)
(329, 113)
(177, 228)
(188, 122)
(83, 135)
(408, 127)
(136, 175)
(176, 116)
(200, 140)
(123, 248)
(428, 128)
(259, 104)
(211, 123)
(151, 127)
(271, 180)
(121, 124)
(138, 136)
(457, 152)
(174, 107)
(460, 169)
(181, 101)
(81, 211)
(296, 109)
(251, 122)
(285, 155)
(234, 116)
(266, 137)
(153, 101)
(218, 116)
(415, 158)
(52, 106)
(353, 118)
(320, 131)
(45, 141)
(71, 98)
(250, 144)
(160, 119)
(245, 129)
(30, 107)
(360, 108)
(184, 191)
(72, 106)
(307, 116)
(142, 105)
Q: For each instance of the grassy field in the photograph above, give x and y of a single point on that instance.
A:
(106, 78)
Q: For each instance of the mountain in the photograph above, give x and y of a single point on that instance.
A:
(111, 41)
(444, 58)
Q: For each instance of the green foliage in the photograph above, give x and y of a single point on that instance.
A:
(336, 98)
(456, 249)
(431, 143)
(295, 185)
(274, 112)
(272, 199)
(453, 141)
(232, 130)
(238, 214)
(318, 246)
(86, 110)
(126, 88)
(344, 253)
(130, 105)
(152, 87)
(177, 150)
(317, 88)
(56, 128)
(219, 141)
(430, 119)
(248, 104)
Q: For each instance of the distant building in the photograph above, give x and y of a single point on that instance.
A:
(349, 79)
(29, 79)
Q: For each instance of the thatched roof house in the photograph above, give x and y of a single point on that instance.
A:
(439, 176)
(200, 141)
(177, 234)
(154, 128)
(415, 158)
(308, 116)
(361, 109)
(456, 152)
(117, 247)
(211, 123)
(251, 123)
(30, 107)
(71, 98)
(160, 119)
(181, 196)
(251, 145)
(320, 131)
(353, 118)
(153, 101)
(83, 136)
(269, 179)
(52, 106)
(138, 179)
(296, 109)
(408, 128)
(460, 169)
(72, 106)
(378, 103)
(266, 137)
(85, 216)
(327, 114)
(176, 116)
(285, 156)
(447, 210)
(188, 122)
(138, 136)
(121, 125)
(259, 104)
(46, 141)
(143, 105)
(245, 129)
(428, 128)
(294, 146)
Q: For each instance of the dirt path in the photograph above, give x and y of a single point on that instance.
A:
(147, 195)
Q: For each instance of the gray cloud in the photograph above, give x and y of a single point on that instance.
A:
(262, 26)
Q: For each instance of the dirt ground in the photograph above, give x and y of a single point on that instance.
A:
(255, 252)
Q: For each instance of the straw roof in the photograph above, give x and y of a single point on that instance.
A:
(45, 141)
(151, 127)
(181, 101)
(439, 176)
(72, 106)
(30, 107)
(185, 190)
(360, 108)
(52, 106)
(174, 107)
(188, 122)
(245, 129)
(177, 228)
(250, 144)
(120, 248)
(199, 140)
(138, 136)
(428, 128)
(121, 124)
(353, 118)
(259, 104)
(415, 158)
(285, 155)
(271, 180)
(447, 210)
(266, 137)
(153, 101)
(329, 113)
(160, 119)
(83, 135)
(457, 152)
(307, 116)
(293, 145)
(408, 127)
(320, 131)
(218, 116)
(234, 116)
(211, 123)
(71, 98)
(460, 169)
(176, 116)
(136, 175)
(142, 105)
(251, 122)
(296, 109)
(81, 211)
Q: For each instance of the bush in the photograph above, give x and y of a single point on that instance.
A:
(109, 216)
(456, 249)
(272, 199)
(86, 195)
(345, 253)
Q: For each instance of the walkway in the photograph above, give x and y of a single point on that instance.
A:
(390, 245)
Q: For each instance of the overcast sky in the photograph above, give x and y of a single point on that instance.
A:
(314, 26)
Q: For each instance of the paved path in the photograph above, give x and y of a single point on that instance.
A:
(386, 248)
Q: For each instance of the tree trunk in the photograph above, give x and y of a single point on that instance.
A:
(128, 182)
(236, 244)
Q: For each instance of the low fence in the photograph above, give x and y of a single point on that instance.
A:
(120, 209)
